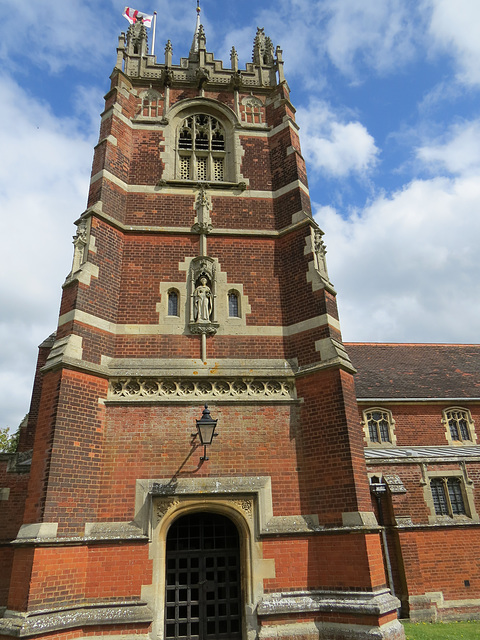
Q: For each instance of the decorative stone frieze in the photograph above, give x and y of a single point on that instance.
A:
(136, 388)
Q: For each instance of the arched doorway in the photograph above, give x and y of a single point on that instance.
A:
(203, 579)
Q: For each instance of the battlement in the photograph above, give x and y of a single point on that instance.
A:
(200, 68)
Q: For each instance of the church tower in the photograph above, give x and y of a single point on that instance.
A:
(198, 301)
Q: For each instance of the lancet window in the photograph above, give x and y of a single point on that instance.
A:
(379, 427)
(201, 149)
(459, 423)
(172, 303)
(233, 306)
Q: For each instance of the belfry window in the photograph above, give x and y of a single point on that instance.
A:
(201, 149)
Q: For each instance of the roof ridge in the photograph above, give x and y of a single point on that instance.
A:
(412, 344)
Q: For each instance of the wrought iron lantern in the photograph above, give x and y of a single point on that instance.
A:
(377, 487)
(206, 430)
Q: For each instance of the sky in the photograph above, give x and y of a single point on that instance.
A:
(387, 97)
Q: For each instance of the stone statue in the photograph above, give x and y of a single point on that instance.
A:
(203, 303)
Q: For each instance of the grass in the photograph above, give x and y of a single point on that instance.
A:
(442, 631)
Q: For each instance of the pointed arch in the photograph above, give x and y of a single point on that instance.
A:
(202, 143)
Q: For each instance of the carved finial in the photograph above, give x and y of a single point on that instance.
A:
(202, 38)
(137, 38)
(281, 75)
(122, 42)
(268, 55)
(168, 54)
(234, 59)
(194, 47)
(262, 49)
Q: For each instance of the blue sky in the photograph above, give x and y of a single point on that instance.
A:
(387, 96)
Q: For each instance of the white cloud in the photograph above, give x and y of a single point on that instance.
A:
(381, 34)
(454, 28)
(354, 35)
(458, 151)
(56, 34)
(44, 169)
(333, 146)
(407, 266)
(80, 33)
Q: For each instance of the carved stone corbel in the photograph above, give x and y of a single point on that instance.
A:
(202, 76)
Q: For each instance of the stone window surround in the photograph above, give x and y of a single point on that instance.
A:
(162, 306)
(223, 287)
(391, 428)
(467, 492)
(227, 119)
(471, 428)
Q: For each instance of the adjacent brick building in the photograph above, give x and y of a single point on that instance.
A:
(199, 278)
(419, 405)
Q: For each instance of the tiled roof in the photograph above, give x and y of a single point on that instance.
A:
(401, 371)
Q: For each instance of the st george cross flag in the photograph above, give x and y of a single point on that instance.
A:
(132, 14)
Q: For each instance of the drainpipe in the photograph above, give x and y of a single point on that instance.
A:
(378, 489)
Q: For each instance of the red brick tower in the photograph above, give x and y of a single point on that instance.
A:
(198, 277)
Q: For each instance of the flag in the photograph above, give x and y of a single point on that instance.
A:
(132, 14)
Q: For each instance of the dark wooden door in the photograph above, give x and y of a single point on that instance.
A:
(203, 579)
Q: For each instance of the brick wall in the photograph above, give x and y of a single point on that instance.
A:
(59, 576)
(318, 562)
(333, 478)
(67, 455)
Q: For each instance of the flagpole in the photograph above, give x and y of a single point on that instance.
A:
(154, 30)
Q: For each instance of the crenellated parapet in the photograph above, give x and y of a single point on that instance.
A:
(200, 68)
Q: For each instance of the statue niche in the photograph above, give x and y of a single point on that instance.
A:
(202, 278)
(202, 301)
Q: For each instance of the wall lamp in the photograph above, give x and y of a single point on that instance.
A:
(206, 430)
